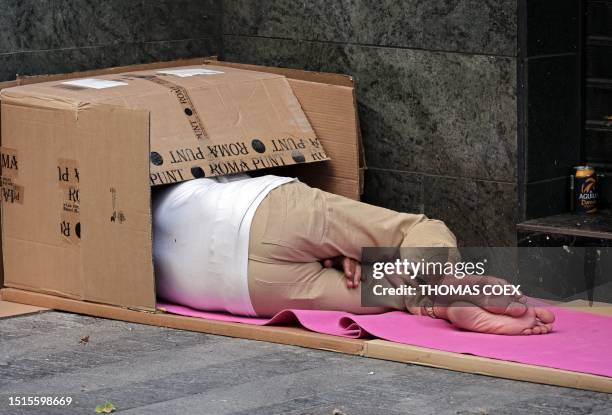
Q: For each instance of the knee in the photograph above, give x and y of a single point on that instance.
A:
(434, 233)
(446, 236)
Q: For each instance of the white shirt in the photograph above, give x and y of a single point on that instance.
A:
(201, 241)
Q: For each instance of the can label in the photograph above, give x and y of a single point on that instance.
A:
(585, 190)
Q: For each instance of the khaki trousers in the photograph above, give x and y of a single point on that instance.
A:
(297, 226)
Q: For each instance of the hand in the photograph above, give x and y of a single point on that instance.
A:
(351, 268)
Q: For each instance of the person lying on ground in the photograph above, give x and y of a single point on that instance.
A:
(257, 246)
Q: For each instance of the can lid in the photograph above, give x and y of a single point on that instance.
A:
(585, 167)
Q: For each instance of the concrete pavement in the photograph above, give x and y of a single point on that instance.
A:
(152, 370)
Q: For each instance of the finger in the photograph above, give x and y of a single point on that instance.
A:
(357, 277)
(500, 281)
(347, 266)
(354, 277)
(354, 273)
(515, 309)
(511, 305)
(517, 297)
(347, 272)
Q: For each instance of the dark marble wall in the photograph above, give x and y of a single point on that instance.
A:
(450, 92)
(55, 36)
(598, 95)
(550, 104)
(437, 94)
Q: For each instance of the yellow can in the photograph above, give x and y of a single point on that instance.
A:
(586, 196)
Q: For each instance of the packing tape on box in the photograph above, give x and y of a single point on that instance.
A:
(184, 100)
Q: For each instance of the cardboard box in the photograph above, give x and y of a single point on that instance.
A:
(79, 160)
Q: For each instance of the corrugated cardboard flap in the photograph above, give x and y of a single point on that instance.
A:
(206, 120)
(330, 103)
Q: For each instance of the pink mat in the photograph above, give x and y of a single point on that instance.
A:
(580, 342)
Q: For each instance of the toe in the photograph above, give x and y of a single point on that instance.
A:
(527, 332)
(544, 315)
(544, 328)
(536, 329)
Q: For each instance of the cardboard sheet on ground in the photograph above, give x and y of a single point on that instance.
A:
(580, 342)
(8, 309)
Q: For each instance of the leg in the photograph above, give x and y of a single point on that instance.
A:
(307, 224)
(300, 224)
(280, 278)
(305, 286)
(296, 226)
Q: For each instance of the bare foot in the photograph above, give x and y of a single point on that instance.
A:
(536, 320)
(510, 305)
